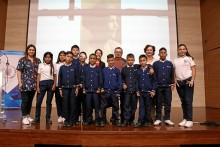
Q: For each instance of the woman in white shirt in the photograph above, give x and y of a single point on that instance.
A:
(184, 76)
(46, 82)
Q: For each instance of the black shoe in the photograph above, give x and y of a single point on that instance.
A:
(97, 123)
(138, 125)
(112, 119)
(102, 123)
(85, 123)
(36, 120)
(69, 124)
(65, 124)
(48, 121)
(146, 124)
(132, 123)
(116, 122)
(125, 123)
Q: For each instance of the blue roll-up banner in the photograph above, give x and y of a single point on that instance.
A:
(10, 92)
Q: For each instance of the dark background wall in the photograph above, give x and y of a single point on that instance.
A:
(3, 16)
(210, 21)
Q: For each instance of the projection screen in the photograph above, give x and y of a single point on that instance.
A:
(56, 25)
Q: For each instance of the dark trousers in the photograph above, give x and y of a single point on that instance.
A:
(166, 93)
(129, 106)
(145, 102)
(81, 105)
(69, 104)
(26, 102)
(45, 86)
(59, 102)
(186, 95)
(92, 98)
(106, 99)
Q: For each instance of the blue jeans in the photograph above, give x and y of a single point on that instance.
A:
(166, 93)
(45, 86)
(186, 96)
(59, 102)
(145, 102)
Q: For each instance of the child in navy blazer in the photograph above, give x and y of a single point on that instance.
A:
(92, 81)
(165, 84)
(129, 74)
(68, 86)
(111, 89)
(146, 85)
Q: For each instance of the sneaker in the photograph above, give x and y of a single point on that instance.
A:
(25, 121)
(30, 119)
(60, 119)
(85, 123)
(182, 124)
(188, 124)
(102, 123)
(97, 123)
(63, 119)
(157, 122)
(168, 122)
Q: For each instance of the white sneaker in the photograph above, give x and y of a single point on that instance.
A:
(30, 119)
(182, 124)
(60, 119)
(63, 119)
(25, 121)
(157, 122)
(168, 122)
(188, 124)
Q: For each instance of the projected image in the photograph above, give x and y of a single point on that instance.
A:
(56, 25)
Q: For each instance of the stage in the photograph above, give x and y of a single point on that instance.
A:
(14, 133)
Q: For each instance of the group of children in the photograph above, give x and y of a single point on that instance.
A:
(76, 83)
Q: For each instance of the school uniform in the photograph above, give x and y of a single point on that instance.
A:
(165, 77)
(129, 74)
(45, 85)
(58, 97)
(112, 85)
(81, 96)
(92, 81)
(153, 106)
(145, 83)
(182, 66)
(68, 82)
(76, 62)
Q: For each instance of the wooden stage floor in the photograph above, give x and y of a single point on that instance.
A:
(14, 133)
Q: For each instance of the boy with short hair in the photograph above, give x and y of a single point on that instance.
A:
(129, 105)
(146, 85)
(92, 81)
(165, 78)
(111, 90)
(68, 86)
(75, 50)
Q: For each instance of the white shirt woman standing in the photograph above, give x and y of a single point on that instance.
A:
(184, 76)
